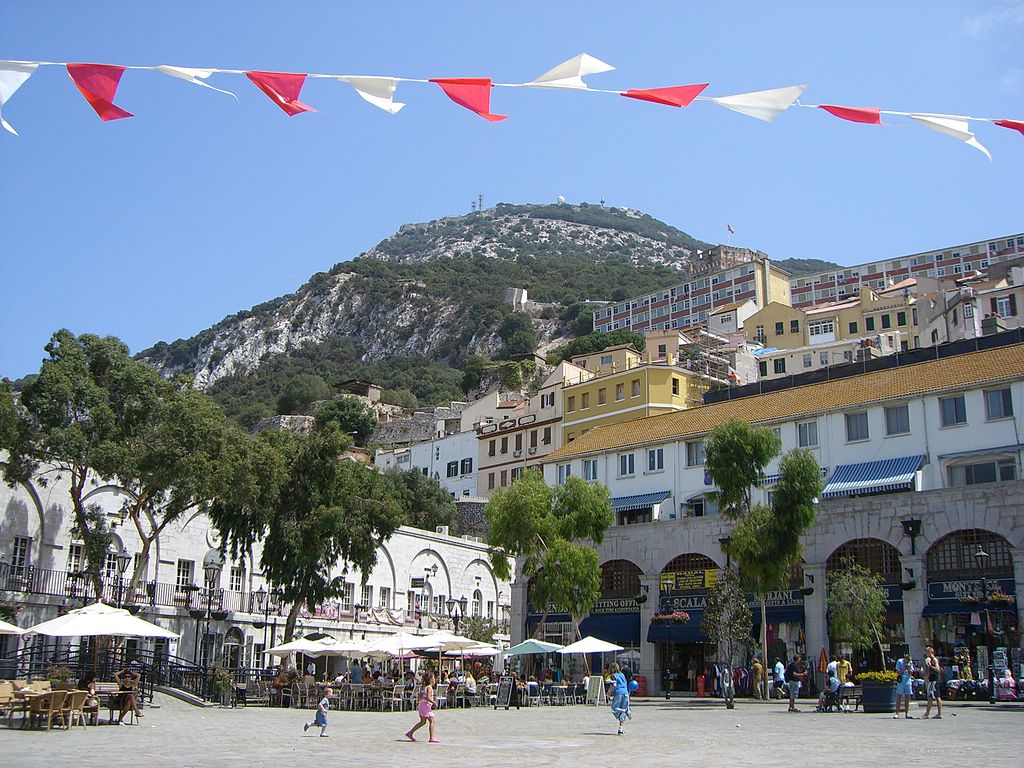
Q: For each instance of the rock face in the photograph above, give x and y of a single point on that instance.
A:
(431, 289)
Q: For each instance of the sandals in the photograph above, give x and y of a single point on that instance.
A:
(409, 736)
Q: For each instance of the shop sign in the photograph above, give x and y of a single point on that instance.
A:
(688, 581)
(783, 598)
(958, 590)
(616, 605)
(670, 603)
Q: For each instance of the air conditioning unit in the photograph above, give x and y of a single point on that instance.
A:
(517, 454)
(442, 529)
(532, 450)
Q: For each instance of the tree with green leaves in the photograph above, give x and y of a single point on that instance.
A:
(765, 541)
(424, 503)
(318, 511)
(94, 414)
(856, 606)
(351, 415)
(727, 621)
(545, 530)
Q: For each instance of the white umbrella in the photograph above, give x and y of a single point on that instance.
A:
(10, 629)
(590, 644)
(528, 647)
(99, 619)
(331, 647)
(446, 641)
(397, 644)
(483, 649)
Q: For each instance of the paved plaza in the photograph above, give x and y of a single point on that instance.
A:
(687, 732)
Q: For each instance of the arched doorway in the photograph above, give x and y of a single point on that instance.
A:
(883, 559)
(682, 588)
(955, 617)
(615, 617)
(234, 644)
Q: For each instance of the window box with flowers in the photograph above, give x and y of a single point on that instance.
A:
(675, 617)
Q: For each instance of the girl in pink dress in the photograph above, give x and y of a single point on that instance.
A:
(425, 709)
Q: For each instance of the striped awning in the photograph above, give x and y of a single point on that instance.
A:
(873, 477)
(638, 501)
(773, 479)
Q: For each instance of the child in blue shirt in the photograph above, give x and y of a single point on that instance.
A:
(620, 696)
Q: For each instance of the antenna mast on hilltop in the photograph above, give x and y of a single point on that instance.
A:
(480, 201)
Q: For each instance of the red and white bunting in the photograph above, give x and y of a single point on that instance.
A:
(1013, 125)
(193, 75)
(12, 75)
(473, 93)
(868, 115)
(764, 105)
(672, 96)
(570, 74)
(283, 89)
(379, 91)
(951, 126)
(98, 84)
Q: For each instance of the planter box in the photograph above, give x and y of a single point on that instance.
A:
(878, 697)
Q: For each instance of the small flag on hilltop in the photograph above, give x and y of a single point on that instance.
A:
(731, 230)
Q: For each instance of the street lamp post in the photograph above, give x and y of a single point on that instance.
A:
(123, 558)
(981, 557)
(456, 610)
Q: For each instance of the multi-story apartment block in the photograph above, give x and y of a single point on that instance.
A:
(776, 363)
(978, 305)
(691, 302)
(449, 459)
(921, 467)
(952, 261)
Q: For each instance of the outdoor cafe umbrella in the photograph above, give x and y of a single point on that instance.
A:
(100, 619)
(10, 629)
(590, 644)
(530, 647)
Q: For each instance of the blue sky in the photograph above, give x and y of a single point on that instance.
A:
(155, 227)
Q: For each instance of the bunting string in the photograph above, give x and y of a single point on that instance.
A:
(98, 84)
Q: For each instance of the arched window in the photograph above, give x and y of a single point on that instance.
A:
(620, 578)
(478, 600)
(952, 556)
(686, 573)
(879, 557)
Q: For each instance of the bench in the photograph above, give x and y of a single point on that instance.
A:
(854, 694)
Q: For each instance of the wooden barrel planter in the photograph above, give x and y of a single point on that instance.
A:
(878, 697)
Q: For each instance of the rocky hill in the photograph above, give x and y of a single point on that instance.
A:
(411, 310)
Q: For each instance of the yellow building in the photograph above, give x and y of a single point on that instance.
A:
(869, 313)
(627, 387)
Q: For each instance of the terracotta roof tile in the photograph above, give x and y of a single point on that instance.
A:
(951, 373)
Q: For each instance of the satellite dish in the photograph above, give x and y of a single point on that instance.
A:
(560, 200)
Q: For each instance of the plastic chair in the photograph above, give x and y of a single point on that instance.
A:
(441, 695)
(396, 696)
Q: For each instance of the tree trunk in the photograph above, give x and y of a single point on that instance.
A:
(764, 640)
(93, 569)
(289, 630)
(878, 639)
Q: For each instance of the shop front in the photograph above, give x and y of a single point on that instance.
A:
(683, 651)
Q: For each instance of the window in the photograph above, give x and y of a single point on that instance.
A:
(547, 436)
(620, 392)
(602, 396)
(504, 478)
(584, 401)
(675, 386)
(504, 445)
(853, 327)
(570, 403)
(590, 469)
(236, 582)
(547, 400)
(655, 459)
(366, 597)
(983, 472)
(517, 472)
(807, 434)
(780, 328)
(21, 555)
(626, 466)
(820, 327)
(777, 431)
(823, 358)
(953, 410)
(897, 420)
(452, 469)
(490, 447)
(606, 359)
(762, 368)
(808, 360)
(490, 609)
(695, 453)
(886, 321)
(869, 323)
(856, 426)
(183, 577)
(998, 404)
(700, 506)
(901, 318)
(384, 597)
(466, 467)
(1005, 306)
(759, 333)
(780, 364)
(661, 350)
(476, 607)
(348, 596)
(490, 481)
(74, 558)
(564, 473)
(634, 388)
(794, 326)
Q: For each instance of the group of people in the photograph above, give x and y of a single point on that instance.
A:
(127, 679)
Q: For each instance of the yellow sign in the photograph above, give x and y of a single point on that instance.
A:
(689, 581)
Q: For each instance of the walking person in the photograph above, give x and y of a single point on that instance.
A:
(904, 685)
(934, 680)
(779, 680)
(757, 672)
(425, 709)
(620, 696)
(321, 713)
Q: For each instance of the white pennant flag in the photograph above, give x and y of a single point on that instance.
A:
(12, 75)
(194, 76)
(952, 126)
(379, 91)
(764, 105)
(570, 74)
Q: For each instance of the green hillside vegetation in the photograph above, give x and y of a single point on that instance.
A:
(801, 267)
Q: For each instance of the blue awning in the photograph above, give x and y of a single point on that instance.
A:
(775, 477)
(781, 614)
(638, 501)
(873, 477)
(690, 632)
(620, 628)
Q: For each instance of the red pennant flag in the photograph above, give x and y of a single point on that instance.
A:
(283, 89)
(869, 115)
(473, 93)
(673, 96)
(98, 83)
(1013, 125)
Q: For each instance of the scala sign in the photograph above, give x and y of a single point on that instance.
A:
(783, 598)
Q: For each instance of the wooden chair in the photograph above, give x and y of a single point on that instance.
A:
(74, 708)
(46, 705)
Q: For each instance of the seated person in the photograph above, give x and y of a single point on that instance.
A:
(470, 682)
(409, 680)
(128, 683)
(833, 687)
(92, 702)
(279, 683)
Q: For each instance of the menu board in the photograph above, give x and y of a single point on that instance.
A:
(504, 697)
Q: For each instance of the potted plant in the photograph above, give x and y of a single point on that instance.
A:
(223, 684)
(60, 677)
(879, 691)
(675, 617)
